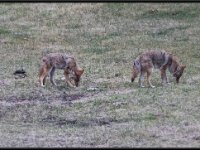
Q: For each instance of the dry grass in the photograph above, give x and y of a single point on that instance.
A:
(107, 110)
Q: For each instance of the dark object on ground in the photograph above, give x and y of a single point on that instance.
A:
(20, 73)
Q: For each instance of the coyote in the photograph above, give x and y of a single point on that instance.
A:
(161, 60)
(53, 61)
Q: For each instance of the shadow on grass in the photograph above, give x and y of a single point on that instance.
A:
(88, 122)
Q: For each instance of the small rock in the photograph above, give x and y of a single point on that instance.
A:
(196, 138)
(117, 74)
(154, 136)
(120, 103)
(92, 89)
(186, 123)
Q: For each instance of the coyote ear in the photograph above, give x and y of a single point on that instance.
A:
(137, 64)
(79, 71)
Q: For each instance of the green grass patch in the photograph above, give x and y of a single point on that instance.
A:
(186, 13)
(107, 109)
(4, 31)
(97, 50)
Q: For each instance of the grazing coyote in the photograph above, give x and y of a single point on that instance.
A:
(53, 61)
(162, 60)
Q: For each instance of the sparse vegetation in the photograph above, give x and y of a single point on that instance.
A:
(107, 110)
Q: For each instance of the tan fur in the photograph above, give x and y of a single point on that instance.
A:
(161, 60)
(53, 61)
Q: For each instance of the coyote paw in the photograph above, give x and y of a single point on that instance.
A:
(165, 84)
(142, 86)
(71, 86)
(152, 86)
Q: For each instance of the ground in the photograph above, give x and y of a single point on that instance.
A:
(106, 110)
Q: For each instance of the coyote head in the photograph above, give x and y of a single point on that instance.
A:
(136, 70)
(179, 72)
(77, 75)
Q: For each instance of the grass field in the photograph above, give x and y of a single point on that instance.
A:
(106, 110)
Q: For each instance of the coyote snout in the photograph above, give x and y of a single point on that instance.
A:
(179, 72)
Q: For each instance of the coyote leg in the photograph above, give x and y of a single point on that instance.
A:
(67, 80)
(141, 79)
(164, 76)
(51, 73)
(149, 78)
(43, 74)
